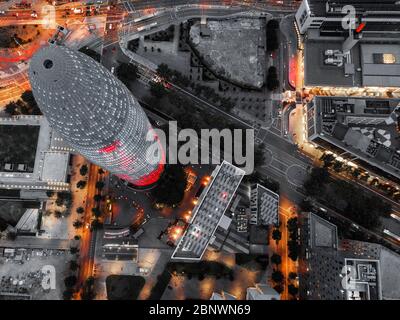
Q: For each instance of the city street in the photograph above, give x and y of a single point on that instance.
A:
(286, 211)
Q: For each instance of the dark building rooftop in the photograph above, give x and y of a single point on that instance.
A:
(372, 7)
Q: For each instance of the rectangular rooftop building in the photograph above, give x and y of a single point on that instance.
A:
(29, 159)
(356, 43)
(327, 15)
(345, 269)
(366, 128)
(264, 206)
(209, 211)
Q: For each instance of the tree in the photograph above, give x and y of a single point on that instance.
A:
(163, 70)
(87, 292)
(59, 202)
(70, 281)
(292, 224)
(157, 90)
(63, 198)
(49, 193)
(80, 210)
(67, 294)
(320, 175)
(127, 73)
(356, 173)
(25, 105)
(81, 184)
(337, 166)
(77, 224)
(357, 204)
(293, 250)
(58, 214)
(96, 224)
(83, 170)
(73, 250)
(99, 185)
(276, 235)
(328, 159)
(293, 290)
(292, 275)
(29, 99)
(315, 183)
(277, 276)
(278, 288)
(11, 108)
(73, 265)
(96, 212)
(276, 259)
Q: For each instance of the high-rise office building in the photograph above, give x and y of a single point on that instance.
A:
(96, 114)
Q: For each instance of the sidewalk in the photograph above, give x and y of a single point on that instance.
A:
(62, 228)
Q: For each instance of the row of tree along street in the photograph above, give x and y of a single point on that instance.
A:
(352, 201)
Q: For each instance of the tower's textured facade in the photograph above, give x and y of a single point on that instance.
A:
(96, 114)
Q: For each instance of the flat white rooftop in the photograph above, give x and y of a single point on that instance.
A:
(55, 166)
(209, 212)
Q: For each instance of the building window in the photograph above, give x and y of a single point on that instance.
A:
(384, 58)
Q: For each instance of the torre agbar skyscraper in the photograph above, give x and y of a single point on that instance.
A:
(96, 114)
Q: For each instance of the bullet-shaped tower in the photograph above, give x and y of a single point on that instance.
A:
(96, 114)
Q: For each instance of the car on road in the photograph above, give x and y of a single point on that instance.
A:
(355, 226)
(395, 216)
(144, 271)
(391, 234)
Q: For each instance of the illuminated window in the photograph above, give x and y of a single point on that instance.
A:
(384, 58)
(389, 58)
